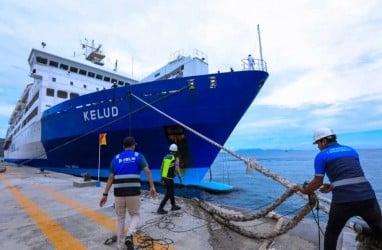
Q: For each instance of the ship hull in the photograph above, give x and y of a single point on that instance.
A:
(156, 114)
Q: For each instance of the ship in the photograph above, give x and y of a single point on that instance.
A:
(72, 102)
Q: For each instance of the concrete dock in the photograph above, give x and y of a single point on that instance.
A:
(48, 210)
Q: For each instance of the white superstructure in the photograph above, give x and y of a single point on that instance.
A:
(54, 79)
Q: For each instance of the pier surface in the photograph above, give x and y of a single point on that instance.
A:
(48, 210)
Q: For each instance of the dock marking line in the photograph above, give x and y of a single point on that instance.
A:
(54, 232)
(98, 217)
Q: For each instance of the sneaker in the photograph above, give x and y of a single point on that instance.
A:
(161, 211)
(175, 207)
(129, 242)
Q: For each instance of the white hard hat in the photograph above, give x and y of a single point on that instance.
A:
(320, 133)
(173, 148)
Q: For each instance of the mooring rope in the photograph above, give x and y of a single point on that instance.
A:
(228, 218)
(250, 163)
(261, 213)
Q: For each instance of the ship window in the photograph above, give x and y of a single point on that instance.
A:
(73, 95)
(53, 79)
(71, 83)
(34, 99)
(99, 77)
(82, 72)
(49, 92)
(64, 66)
(73, 69)
(91, 74)
(84, 86)
(114, 80)
(30, 116)
(62, 94)
(53, 64)
(106, 79)
(42, 60)
(120, 83)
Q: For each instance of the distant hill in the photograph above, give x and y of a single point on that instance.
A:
(1, 147)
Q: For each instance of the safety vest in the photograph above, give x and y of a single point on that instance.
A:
(168, 166)
(127, 173)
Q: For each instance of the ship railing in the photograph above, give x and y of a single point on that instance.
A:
(196, 53)
(258, 65)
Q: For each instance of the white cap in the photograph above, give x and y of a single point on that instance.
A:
(320, 133)
(173, 148)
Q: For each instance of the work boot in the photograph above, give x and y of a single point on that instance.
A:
(129, 242)
(175, 207)
(161, 211)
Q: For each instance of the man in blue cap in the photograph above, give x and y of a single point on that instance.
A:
(125, 169)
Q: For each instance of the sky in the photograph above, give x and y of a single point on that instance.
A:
(324, 57)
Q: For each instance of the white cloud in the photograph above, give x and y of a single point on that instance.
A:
(324, 57)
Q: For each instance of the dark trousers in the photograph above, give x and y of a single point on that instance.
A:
(170, 195)
(340, 213)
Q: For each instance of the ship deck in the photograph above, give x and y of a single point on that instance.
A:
(48, 210)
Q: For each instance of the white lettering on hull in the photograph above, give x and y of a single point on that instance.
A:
(98, 114)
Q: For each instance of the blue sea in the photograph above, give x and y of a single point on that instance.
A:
(254, 191)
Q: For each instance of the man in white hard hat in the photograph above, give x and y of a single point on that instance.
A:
(352, 194)
(170, 168)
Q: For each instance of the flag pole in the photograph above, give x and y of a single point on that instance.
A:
(99, 163)
(101, 141)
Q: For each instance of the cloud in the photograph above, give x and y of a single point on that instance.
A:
(324, 57)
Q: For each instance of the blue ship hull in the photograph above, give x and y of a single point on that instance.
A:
(70, 130)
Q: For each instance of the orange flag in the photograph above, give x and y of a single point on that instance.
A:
(102, 139)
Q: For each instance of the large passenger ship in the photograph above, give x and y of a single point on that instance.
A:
(57, 122)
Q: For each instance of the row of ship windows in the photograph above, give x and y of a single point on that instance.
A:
(49, 92)
(44, 61)
(61, 94)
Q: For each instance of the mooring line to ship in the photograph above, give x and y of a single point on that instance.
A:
(252, 164)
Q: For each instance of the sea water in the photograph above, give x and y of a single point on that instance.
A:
(254, 191)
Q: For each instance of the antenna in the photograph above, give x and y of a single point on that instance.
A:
(260, 48)
(95, 55)
(116, 65)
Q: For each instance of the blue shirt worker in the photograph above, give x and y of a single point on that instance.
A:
(169, 168)
(251, 62)
(125, 169)
(352, 194)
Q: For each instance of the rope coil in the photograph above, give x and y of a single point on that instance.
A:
(230, 217)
